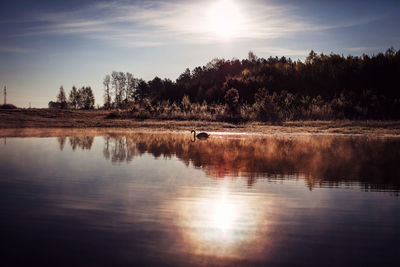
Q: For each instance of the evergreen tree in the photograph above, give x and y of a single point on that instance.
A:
(61, 98)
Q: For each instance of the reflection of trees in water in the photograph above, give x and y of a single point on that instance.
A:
(321, 161)
(61, 142)
(120, 149)
(82, 142)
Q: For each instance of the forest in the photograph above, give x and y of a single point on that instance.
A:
(322, 87)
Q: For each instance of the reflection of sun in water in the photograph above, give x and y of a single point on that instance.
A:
(223, 214)
(224, 19)
(214, 219)
(222, 222)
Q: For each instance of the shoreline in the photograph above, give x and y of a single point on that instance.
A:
(64, 120)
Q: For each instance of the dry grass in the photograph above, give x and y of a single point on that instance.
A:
(45, 118)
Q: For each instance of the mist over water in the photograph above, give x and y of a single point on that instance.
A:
(120, 198)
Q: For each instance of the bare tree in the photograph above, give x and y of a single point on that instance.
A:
(130, 87)
(115, 86)
(252, 57)
(122, 86)
(107, 93)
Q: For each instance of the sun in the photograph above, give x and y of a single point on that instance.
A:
(224, 19)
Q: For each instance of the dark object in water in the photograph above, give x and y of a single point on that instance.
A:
(201, 135)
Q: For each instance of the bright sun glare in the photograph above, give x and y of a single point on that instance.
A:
(224, 19)
(223, 215)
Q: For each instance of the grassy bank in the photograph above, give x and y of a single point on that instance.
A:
(46, 118)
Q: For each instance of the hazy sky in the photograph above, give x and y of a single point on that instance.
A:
(45, 44)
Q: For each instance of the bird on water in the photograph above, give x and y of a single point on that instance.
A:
(201, 135)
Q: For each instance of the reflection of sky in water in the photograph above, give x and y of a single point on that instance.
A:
(81, 207)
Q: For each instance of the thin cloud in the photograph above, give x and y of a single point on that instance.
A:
(362, 48)
(276, 51)
(9, 49)
(158, 23)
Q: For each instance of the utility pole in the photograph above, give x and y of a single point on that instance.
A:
(5, 95)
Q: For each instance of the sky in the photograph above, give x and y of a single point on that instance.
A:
(48, 43)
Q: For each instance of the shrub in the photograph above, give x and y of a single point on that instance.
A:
(8, 106)
(267, 106)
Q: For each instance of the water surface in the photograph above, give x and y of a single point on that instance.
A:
(117, 198)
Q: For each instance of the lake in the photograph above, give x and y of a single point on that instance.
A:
(116, 198)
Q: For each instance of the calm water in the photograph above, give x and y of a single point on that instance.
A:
(110, 199)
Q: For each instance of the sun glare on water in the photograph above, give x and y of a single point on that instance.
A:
(223, 214)
(224, 19)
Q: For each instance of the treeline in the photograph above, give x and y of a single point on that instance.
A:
(322, 87)
(82, 98)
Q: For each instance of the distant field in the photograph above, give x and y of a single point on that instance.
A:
(46, 118)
